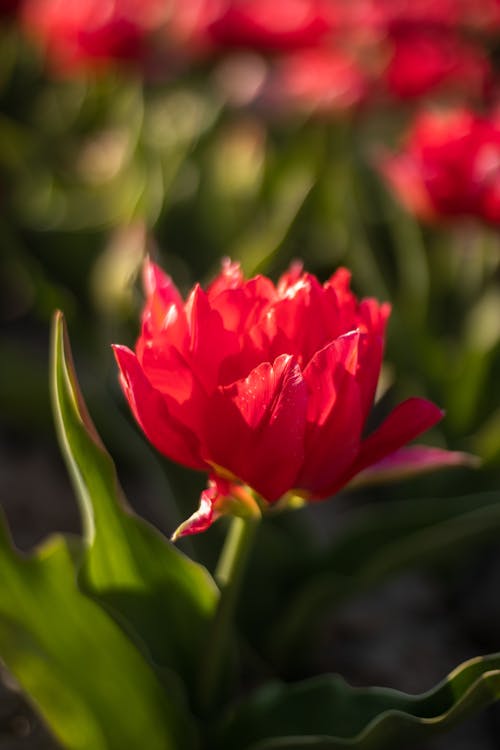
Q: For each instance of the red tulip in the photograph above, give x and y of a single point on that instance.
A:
(425, 60)
(320, 80)
(450, 166)
(272, 26)
(89, 34)
(208, 26)
(265, 387)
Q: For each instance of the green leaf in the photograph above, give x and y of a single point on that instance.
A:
(165, 599)
(86, 678)
(387, 537)
(380, 541)
(328, 714)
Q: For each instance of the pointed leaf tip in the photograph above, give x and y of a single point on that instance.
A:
(126, 560)
(65, 389)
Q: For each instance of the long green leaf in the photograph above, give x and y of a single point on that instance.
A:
(162, 596)
(325, 713)
(86, 678)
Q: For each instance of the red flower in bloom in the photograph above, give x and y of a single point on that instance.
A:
(321, 80)
(423, 60)
(266, 387)
(272, 26)
(88, 34)
(450, 166)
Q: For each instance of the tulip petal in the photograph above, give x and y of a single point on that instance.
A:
(341, 301)
(164, 310)
(154, 413)
(406, 422)
(210, 342)
(371, 352)
(263, 418)
(240, 307)
(410, 461)
(325, 370)
(230, 277)
(157, 283)
(291, 277)
(201, 519)
(372, 319)
(301, 321)
(334, 415)
(220, 498)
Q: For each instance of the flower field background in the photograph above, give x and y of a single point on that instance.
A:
(361, 134)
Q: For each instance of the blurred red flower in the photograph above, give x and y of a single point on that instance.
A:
(265, 386)
(423, 60)
(320, 80)
(387, 14)
(216, 26)
(449, 167)
(90, 34)
(272, 26)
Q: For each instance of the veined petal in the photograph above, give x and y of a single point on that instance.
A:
(257, 427)
(240, 307)
(325, 372)
(154, 413)
(334, 416)
(169, 372)
(299, 322)
(210, 342)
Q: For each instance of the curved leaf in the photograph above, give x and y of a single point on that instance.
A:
(163, 596)
(328, 714)
(86, 678)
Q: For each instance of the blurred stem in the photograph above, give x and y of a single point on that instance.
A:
(343, 167)
(411, 259)
(229, 575)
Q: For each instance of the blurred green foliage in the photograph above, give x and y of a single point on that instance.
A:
(95, 172)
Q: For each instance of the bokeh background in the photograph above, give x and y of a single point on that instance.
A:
(362, 133)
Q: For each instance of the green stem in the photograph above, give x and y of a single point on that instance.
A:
(229, 575)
